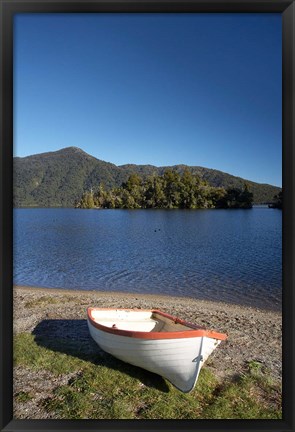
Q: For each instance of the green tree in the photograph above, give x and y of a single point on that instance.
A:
(246, 198)
(278, 201)
(127, 199)
(171, 182)
(236, 198)
(100, 196)
(154, 192)
(86, 201)
(133, 182)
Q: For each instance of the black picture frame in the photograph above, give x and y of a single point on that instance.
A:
(10, 7)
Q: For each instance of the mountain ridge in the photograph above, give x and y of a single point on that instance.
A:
(58, 178)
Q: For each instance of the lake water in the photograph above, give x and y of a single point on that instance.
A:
(229, 255)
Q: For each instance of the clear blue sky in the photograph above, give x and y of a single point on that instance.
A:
(196, 89)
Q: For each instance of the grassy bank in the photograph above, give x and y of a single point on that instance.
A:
(61, 373)
(111, 389)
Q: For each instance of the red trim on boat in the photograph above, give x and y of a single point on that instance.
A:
(196, 331)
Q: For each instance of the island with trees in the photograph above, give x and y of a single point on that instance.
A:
(170, 190)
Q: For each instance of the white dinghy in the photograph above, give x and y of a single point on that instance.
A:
(155, 341)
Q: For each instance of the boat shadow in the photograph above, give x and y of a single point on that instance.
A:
(72, 337)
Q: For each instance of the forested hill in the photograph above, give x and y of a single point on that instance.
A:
(59, 178)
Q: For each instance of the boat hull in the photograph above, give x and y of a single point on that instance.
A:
(178, 359)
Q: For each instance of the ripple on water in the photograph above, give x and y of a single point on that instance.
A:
(234, 256)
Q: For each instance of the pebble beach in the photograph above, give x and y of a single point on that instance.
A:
(253, 334)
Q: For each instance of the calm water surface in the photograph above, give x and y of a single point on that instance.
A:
(229, 255)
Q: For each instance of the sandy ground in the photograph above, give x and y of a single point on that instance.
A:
(253, 334)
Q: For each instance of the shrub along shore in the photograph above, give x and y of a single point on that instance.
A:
(59, 372)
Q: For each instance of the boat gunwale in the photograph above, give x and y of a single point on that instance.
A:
(192, 332)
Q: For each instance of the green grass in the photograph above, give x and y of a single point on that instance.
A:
(23, 396)
(110, 389)
(42, 301)
(253, 395)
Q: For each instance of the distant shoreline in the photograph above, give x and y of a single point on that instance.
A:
(266, 206)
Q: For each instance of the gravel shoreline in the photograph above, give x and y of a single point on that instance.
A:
(253, 334)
